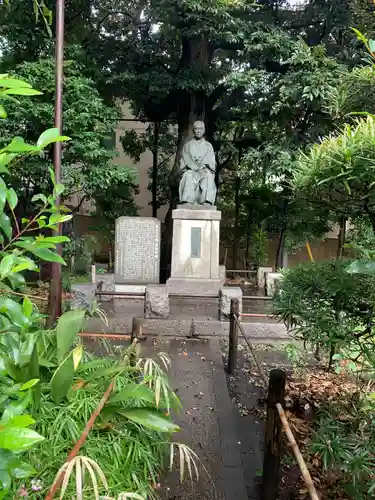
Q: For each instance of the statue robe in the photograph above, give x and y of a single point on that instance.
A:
(197, 165)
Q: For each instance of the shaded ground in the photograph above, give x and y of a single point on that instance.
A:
(225, 430)
(207, 420)
(248, 395)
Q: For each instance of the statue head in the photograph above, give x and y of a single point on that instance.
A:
(198, 129)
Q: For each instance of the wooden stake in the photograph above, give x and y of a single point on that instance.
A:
(233, 335)
(56, 485)
(273, 436)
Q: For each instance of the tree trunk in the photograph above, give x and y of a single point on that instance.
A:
(341, 238)
(236, 220)
(282, 238)
(197, 55)
(281, 249)
(110, 260)
(155, 171)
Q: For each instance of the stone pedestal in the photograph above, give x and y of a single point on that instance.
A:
(195, 251)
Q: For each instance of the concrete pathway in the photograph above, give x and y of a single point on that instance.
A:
(207, 420)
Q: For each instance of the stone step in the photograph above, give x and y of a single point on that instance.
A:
(257, 332)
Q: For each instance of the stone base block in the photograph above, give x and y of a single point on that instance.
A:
(83, 296)
(192, 287)
(189, 206)
(261, 275)
(156, 302)
(130, 288)
(272, 281)
(227, 293)
(105, 282)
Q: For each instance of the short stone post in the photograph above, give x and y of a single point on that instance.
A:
(272, 280)
(156, 302)
(226, 294)
(261, 275)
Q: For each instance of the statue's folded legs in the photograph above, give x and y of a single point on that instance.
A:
(189, 187)
(207, 191)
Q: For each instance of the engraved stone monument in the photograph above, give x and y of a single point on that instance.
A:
(137, 250)
(196, 223)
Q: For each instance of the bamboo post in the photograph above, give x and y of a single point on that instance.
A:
(273, 436)
(136, 329)
(75, 450)
(309, 252)
(233, 335)
(302, 465)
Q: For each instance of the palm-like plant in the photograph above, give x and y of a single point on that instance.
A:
(132, 436)
(339, 172)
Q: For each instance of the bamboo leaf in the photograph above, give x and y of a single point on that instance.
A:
(62, 379)
(134, 391)
(68, 327)
(150, 418)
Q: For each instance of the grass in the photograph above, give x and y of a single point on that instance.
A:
(132, 457)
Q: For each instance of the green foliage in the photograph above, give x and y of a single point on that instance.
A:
(132, 434)
(258, 253)
(88, 166)
(339, 170)
(327, 306)
(18, 253)
(80, 252)
(16, 436)
(134, 144)
(344, 441)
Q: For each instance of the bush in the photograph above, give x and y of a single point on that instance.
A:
(344, 441)
(327, 306)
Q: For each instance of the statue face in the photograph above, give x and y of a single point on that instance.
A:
(198, 130)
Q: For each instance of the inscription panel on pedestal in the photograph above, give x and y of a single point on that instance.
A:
(196, 242)
(137, 250)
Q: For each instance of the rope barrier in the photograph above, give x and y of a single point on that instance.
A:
(284, 422)
(253, 353)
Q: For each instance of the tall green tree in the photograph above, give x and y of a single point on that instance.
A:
(338, 172)
(89, 167)
(233, 64)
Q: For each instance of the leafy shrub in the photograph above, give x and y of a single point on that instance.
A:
(16, 437)
(327, 306)
(131, 439)
(345, 443)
